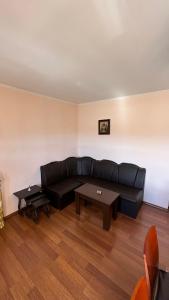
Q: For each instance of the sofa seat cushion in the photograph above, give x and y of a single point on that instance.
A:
(127, 193)
(63, 187)
(89, 179)
(83, 179)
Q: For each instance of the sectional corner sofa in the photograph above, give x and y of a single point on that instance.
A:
(60, 178)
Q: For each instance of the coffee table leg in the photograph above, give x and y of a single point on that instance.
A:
(107, 217)
(115, 209)
(77, 200)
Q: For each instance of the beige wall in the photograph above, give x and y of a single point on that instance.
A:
(139, 134)
(34, 130)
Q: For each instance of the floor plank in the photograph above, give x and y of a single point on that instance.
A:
(71, 257)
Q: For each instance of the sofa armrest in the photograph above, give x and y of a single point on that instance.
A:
(140, 178)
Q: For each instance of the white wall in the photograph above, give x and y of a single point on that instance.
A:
(139, 134)
(34, 130)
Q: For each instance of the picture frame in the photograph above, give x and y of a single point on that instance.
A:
(104, 126)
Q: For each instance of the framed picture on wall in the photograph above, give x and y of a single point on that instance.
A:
(104, 126)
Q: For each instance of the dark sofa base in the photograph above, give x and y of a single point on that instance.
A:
(126, 207)
(129, 208)
(63, 202)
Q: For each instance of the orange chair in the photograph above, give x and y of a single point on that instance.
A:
(140, 291)
(157, 280)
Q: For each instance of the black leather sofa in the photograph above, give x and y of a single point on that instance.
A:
(60, 178)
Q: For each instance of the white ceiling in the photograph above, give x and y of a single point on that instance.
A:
(85, 50)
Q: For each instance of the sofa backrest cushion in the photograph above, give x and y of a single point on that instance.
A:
(72, 166)
(105, 169)
(124, 173)
(128, 174)
(79, 166)
(53, 172)
(84, 166)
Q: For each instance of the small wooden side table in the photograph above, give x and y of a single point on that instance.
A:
(34, 199)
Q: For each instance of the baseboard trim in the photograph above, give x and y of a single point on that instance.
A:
(156, 206)
(11, 215)
(146, 203)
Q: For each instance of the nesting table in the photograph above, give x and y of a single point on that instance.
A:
(34, 199)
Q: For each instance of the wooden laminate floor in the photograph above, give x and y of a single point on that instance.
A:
(71, 257)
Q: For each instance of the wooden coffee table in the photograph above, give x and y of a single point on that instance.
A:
(107, 200)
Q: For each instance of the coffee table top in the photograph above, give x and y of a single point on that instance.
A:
(90, 190)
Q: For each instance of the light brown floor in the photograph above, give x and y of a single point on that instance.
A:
(67, 257)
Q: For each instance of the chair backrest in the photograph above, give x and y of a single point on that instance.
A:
(151, 258)
(141, 290)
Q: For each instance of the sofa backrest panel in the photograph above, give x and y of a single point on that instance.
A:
(127, 174)
(85, 165)
(105, 169)
(124, 173)
(53, 172)
(72, 166)
(79, 166)
(140, 178)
